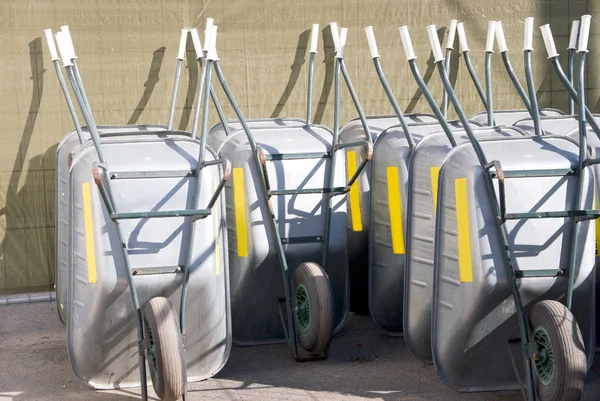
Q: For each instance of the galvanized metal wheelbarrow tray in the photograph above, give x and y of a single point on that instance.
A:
(72, 143)
(160, 177)
(478, 309)
(287, 211)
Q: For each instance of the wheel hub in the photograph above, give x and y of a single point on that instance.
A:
(543, 358)
(151, 351)
(302, 308)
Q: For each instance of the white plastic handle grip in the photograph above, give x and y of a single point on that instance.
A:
(500, 37)
(342, 43)
(335, 35)
(462, 38)
(182, 42)
(68, 41)
(407, 43)
(584, 33)
(528, 38)
(314, 38)
(212, 48)
(548, 41)
(51, 44)
(573, 37)
(197, 43)
(372, 42)
(62, 48)
(451, 34)
(436, 48)
(491, 34)
(207, 32)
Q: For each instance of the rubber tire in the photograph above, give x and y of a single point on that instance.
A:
(570, 364)
(168, 380)
(320, 295)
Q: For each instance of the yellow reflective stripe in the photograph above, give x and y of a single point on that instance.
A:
(217, 233)
(395, 206)
(435, 175)
(90, 249)
(239, 205)
(597, 225)
(465, 265)
(354, 194)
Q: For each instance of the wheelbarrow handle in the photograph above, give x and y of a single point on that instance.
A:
(573, 36)
(502, 48)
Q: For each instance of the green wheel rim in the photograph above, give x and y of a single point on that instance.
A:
(544, 363)
(152, 352)
(303, 308)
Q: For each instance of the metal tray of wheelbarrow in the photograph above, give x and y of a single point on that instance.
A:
(256, 279)
(358, 197)
(509, 117)
(101, 323)
(65, 151)
(423, 170)
(387, 221)
(552, 125)
(475, 328)
(217, 134)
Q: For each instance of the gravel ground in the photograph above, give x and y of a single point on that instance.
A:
(365, 364)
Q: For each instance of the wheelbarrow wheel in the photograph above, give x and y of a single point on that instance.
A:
(164, 349)
(313, 304)
(558, 353)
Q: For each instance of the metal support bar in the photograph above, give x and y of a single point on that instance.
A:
(70, 105)
(553, 214)
(297, 156)
(515, 81)
(129, 175)
(160, 214)
(305, 191)
(573, 95)
(535, 111)
(311, 72)
(540, 273)
(570, 73)
(432, 104)
(537, 173)
(580, 181)
(359, 110)
(301, 240)
(142, 271)
(447, 60)
(488, 89)
(395, 106)
(474, 78)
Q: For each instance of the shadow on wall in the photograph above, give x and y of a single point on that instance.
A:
(153, 78)
(192, 67)
(28, 247)
(296, 68)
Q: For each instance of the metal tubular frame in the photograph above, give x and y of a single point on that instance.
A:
(395, 106)
(474, 78)
(330, 191)
(534, 110)
(488, 89)
(515, 81)
(499, 205)
(102, 178)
